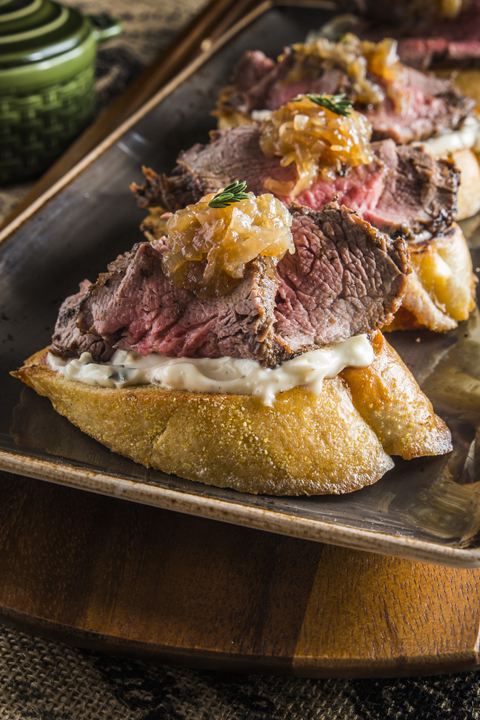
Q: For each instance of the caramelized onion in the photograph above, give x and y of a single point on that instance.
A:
(319, 141)
(359, 59)
(210, 247)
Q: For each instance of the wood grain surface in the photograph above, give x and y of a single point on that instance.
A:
(126, 578)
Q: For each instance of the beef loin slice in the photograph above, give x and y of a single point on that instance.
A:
(424, 40)
(404, 191)
(344, 278)
(429, 105)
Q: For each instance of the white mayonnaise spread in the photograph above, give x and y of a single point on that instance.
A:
(260, 115)
(420, 237)
(219, 375)
(468, 136)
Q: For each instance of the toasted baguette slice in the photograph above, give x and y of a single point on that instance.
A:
(441, 287)
(304, 444)
(388, 398)
(468, 199)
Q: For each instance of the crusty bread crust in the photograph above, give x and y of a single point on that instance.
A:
(441, 287)
(304, 444)
(468, 198)
(388, 398)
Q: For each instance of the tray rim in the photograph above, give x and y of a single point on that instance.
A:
(304, 528)
(63, 473)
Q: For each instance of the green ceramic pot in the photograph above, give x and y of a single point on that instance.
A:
(47, 94)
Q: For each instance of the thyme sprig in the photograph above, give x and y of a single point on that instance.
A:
(231, 194)
(334, 103)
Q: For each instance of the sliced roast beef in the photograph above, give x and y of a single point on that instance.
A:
(135, 304)
(403, 191)
(343, 279)
(207, 168)
(429, 105)
(69, 340)
(419, 194)
(424, 39)
(259, 83)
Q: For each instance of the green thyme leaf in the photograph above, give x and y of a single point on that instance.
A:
(231, 194)
(334, 103)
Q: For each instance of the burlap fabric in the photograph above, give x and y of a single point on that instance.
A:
(50, 681)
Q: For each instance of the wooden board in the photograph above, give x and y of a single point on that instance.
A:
(121, 577)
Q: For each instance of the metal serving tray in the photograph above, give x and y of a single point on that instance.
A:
(425, 509)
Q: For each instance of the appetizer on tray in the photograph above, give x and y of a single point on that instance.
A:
(243, 349)
(317, 147)
(400, 102)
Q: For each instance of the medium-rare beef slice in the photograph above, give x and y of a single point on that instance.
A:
(419, 194)
(424, 40)
(270, 316)
(341, 281)
(429, 105)
(135, 303)
(403, 191)
(253, 67)
(68, 340)
(259, 83)
(205, 169)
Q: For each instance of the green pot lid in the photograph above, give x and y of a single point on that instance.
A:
(35, 30)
